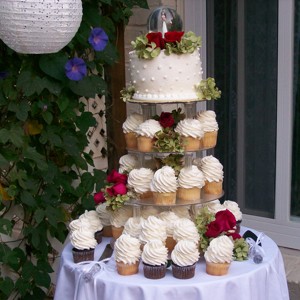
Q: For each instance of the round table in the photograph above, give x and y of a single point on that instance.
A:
(244, 281)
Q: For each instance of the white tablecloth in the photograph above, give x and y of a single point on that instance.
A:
(245, 281)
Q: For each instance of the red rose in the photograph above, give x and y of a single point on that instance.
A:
(166, 120)
(156, 37)
(115, 177)
(173, 36)
(224, 221)
(117, 189)
(234, 235)
(99, 198)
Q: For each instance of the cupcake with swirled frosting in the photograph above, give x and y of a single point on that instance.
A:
(164, 186)
(127, 254)
(185, 229)
(95, 223)
(129, 127)
(213, 172)
(169, 218)
(118, 220)
(191, 133)
(218, 255)
(190, 182)
(233, 207)
(210, 127)
(84, 243)
(145, 134)
(105, 215)
(139, 181)
(133, 226)
(153, 228)
(184, 258)
(154, 257)
(127, 162)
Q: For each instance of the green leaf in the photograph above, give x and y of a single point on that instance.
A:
(4, 135)
(27, 198)
(31, 153)
(42, 279)
(22, 111)
(63, 103)
(39, 215)
(53, 65)
(47, 116)
(6, 285)
(52, 86)
(85, 121)
(89, 86)
(29, 83)
(5, 226)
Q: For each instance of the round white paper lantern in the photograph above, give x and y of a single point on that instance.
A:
(39, 26)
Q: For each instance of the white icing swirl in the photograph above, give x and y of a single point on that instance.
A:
(190, 177)
(120, 216)
(79, 223)
(133, 226)
(155, 253)
(208, 120)
(127, 162)
(83, 239)
(127, 249)
(190, 127)
(182, 211)
(185, 229)
(139, 180)
(233, 207)
(149, 211)
(185, 253)
(132, 122)
(148, 128)
(215, 206)
(212, 169)
(220, 250)
(169, 218)
(92, 217)
(104, 214)
(153, 228)
(164, 181)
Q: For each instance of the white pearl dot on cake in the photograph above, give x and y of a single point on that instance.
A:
(134, 81)
(152, 78)
(159, 67)
(138, 72)
(143, 79)
(146, 90)
(144, 66)
(165, 77)
(176, 79)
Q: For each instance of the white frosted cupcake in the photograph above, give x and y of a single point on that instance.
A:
(127, 254)
(105, 215)
(218, 256)
(95, 223)
(84, 244)
(153, 228)
(133, 226)
(154, 257)
(190, 182)
(127, 162)
(233, 207)
(164, 186)
(210, 127)
(139, 181)
(185, 229)
(129, 127)
(145, 134)
(184, 258)
(213, 172)
(118, 219)
(169, 218)
(191, 133)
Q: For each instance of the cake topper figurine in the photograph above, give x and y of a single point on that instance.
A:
(164, 19)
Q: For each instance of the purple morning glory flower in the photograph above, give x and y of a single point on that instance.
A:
(75, 69)
(3, 75)
(98, 39)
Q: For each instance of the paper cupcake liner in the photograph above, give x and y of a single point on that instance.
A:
(83, 255)
(127, 269)
(217, 269)
(154, 272)
(185, 272)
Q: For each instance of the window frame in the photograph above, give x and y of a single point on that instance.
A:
(282, 229)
